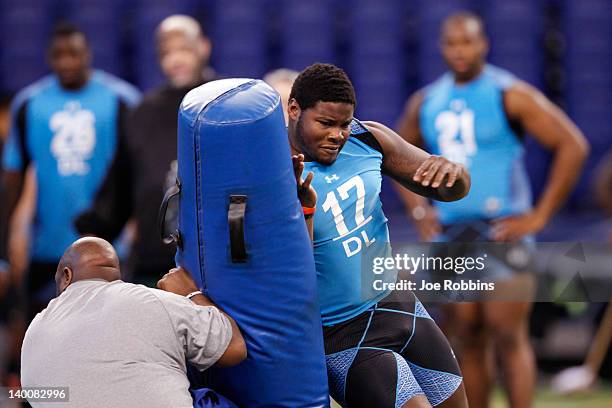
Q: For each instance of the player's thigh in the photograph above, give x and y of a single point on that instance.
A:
(506, 321)
(506, 313)
(510, 313)
(465, 320)
(465, 312)
(516, 287)
(434, 365)
(381, 378)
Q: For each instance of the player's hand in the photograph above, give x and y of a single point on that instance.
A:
(425, 220)
(433, 171)
(514, 228)
(306, 193)
(178, 281)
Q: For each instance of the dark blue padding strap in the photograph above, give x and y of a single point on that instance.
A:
(235, 219)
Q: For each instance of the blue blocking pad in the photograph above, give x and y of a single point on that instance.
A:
(244, 240)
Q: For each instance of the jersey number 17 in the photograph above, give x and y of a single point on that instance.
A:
(352, 245)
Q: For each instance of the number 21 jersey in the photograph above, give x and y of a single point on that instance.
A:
(468, 124)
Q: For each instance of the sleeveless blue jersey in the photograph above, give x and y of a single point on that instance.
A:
(467, 123)
(70, 138)
(350, 230)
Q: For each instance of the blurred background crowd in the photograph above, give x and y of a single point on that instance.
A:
(389, 48)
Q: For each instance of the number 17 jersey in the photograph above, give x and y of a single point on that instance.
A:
(350, 229)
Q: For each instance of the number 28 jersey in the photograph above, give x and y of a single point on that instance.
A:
(350, 228)
(70, 136)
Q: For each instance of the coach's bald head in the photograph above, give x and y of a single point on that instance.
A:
(87, 258)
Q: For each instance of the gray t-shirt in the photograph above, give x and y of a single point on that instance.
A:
(121, 345)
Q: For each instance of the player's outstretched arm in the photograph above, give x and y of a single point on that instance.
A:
(417, 170)
(556, 132)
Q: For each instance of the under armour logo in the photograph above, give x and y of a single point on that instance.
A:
(332, 178)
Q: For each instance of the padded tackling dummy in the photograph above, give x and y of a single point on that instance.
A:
(243, 238)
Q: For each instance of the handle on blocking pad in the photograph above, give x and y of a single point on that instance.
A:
(174, 236)
(235, 219)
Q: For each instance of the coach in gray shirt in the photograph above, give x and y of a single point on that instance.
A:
(116, 344)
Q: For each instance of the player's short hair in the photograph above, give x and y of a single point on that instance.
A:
(65, 29)
(322, 83)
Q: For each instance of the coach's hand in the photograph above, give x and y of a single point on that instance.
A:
(306, 193)
(516, 227)
(178, 281)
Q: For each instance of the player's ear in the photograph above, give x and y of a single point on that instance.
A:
(293, 110)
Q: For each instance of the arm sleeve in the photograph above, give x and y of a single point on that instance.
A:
(203, 331)
(113, 203)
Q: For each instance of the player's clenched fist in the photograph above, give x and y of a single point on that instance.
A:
(178, 281)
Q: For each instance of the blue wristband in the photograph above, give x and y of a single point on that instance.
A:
(4, 266)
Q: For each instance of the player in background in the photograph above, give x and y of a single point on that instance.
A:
(66, 127)
(476, 114)
(382, 347)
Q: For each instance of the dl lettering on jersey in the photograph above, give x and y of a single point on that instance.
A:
(354, 245)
